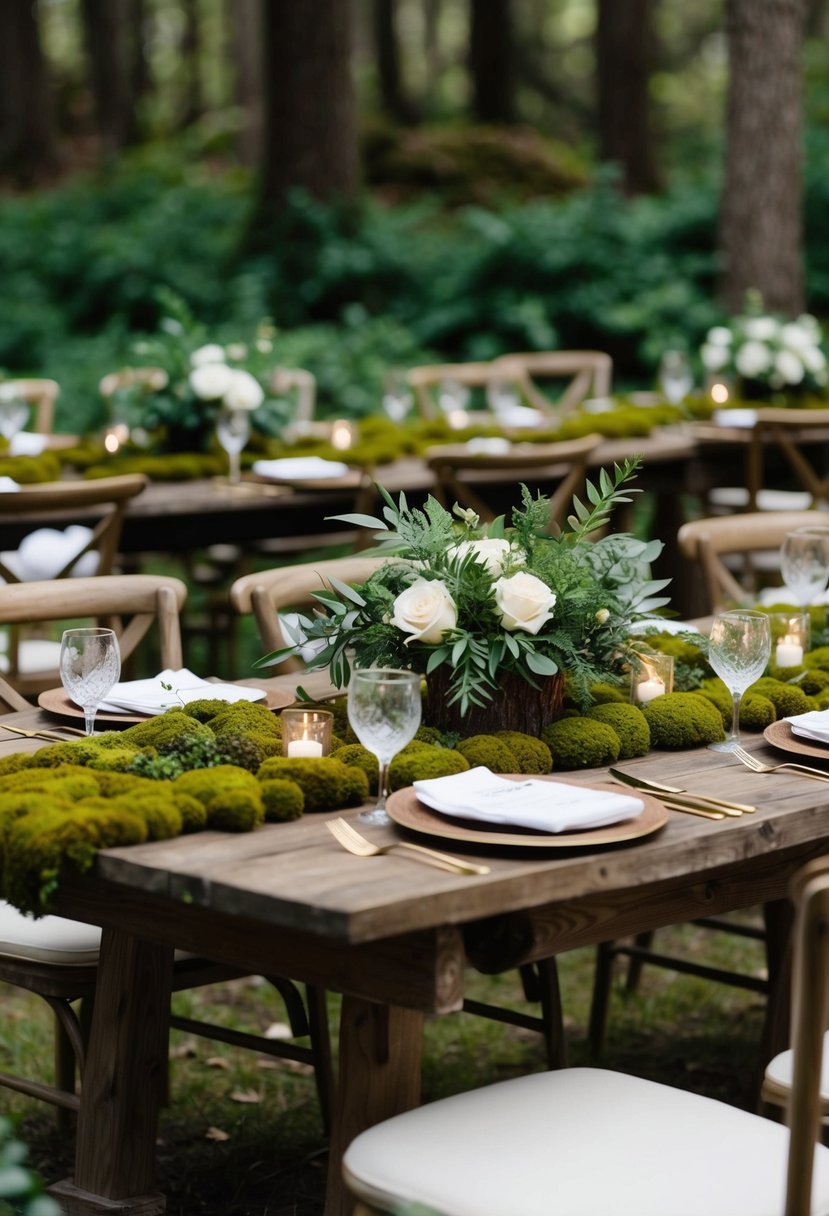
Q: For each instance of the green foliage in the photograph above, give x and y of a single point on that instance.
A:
(21, 1189)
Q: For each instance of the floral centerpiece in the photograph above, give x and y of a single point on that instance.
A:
(493, 617)
(768, 355)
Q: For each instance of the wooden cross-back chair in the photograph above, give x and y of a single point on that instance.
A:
(40, 395)
(706, 1155)
(103, 502)
(57, 958)
(463, 476)
(589, 374)
(263, 594)
(151, 378)
(427, 380)
(789, 432)
(288, 379)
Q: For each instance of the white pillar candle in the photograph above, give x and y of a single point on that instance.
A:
(788, 653)
(305, 747)
(650, 688)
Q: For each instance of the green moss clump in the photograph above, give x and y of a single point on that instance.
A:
(422, 763)
(683, 719)
(492, 752)
(819, 657)
(16, 761)
(756, 712)
(684, 653)
(193, 813)
(532, 754)
(716, 692)
(242, 717)
(322, 781)
(156, 807)
(357, 755)
(235, 810)
(601, 694)
(173, 731)
(282, 800)
(428, 734)
(248, 750)
(355, 785)
(787, 699)
(813, 681)
(205, 783)
(581, 743)
(629, 723)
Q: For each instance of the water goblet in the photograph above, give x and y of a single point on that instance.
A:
(233, 432)
(804, 562)
(384, 711)
(90, 664)
(675, 376)
(739, 649)
(397, 396)
(14, 414)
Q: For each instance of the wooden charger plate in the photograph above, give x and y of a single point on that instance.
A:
(57, 701)
(781, 735)
(407, 811)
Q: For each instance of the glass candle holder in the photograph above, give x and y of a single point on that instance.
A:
(306, 732)
(651, 675)
(789, 638)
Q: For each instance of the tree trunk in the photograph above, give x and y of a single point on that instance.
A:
(310, 138)
(392, 93)
(27, 148)
(192, 106)
(491, 60)
(244, 23)
(110, 31)
(760, 217)
(515, 705)
(624, 56)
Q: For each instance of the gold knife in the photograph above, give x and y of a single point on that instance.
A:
(52, 735)
(677, 795)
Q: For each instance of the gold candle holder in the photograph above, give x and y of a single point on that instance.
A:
(651, 675)
(306, 732)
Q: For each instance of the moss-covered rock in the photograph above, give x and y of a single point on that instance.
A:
(422, 763)
(629, 723)
(683, 719)
(581, 743)
(322, 781)
(236, 809)
(491, 751)
(787, 699)
(603, 694)
(173, 731)
(283, 800)
(756, 712)
(533, 755)
(813, 681)
(818, 657)
(360, 757)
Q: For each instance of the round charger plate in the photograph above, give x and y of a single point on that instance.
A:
(407, 811)
(781, 735)
(57, 701)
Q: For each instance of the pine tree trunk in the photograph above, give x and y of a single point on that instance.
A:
(760, 218)
(109, 27)
(27, 148)
(624, 53)
(244, 25)
(515, 705)
(491, 60)
(387, 52)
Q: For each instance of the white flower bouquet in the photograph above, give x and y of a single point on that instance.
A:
(782, 356)
(473, 604)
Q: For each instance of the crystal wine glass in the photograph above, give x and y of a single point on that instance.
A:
(397, 396)
(233, 432)
(90, 664)
(739, 649)
(384, 712)
(14, 414)
(675, 376)
(804, 562)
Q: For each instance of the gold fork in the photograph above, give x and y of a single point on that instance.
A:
(353, 842)
(44, 734)
(758, 766)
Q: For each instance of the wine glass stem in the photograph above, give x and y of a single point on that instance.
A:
(382, 786)
(234, 473)
(734, 737)
(89, 719)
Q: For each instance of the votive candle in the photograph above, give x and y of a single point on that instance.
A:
(304, 747)
(788, 652)
(306, 732)
(646, 690)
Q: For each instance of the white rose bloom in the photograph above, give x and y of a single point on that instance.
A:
(238, 351)
(795, 337)
(491, 553)
(761, 329)
(524, 601)
(715, 357)
(719, 336)
(425, 610)
(813, 359)
(244, 392)
(752, 359)
(789, 367)
(264, 346)
(210, 380)
(212, 353)
(811, 325)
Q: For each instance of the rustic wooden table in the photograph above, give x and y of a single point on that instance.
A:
(392, 936)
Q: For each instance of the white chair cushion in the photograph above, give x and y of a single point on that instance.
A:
(735, 498)
(45, 551)
(779, 1070)
(578, 1142)
(33, 655)
(49, 939)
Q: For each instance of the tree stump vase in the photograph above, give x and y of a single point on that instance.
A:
(515, 705)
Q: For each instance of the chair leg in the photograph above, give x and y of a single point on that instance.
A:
(643, 941)
(551, 1012)
(321, 1046)
(64, 1073)
(600, 1000)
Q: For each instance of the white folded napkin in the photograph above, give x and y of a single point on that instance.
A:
(735, 417)
(492, 445)
(300, 468)
(8, 485)
(44, 553)
(150, 697)
(812, 725)
(520, 416)
(547, 806)
(27, 443)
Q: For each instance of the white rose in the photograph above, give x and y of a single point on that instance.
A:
(210, 380)
(761, 329)
(212, 353)
(789, 367)
(714, 357)
(752, 359)
(719, 336)
(244, 392)
(426, 610)
(490, 552)
(524, 602)
(602, 616)
(811, 325)
(795, 337)
(813, 358)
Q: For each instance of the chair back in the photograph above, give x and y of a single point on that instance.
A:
(266, 592)
(709, 543)
(465, 477)
(789, 431)
(288, 379)
(152, 378)
(426, 382)
(589, 372)
(41, 395)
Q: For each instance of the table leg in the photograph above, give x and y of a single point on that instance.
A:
(122, 1083)
(379, 1076)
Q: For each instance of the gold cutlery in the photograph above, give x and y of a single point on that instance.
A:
(759, 766)
(44, 734)
(695, 810)
(707, 801)
(353, 842)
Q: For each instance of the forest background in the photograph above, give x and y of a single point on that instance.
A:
(394, 182)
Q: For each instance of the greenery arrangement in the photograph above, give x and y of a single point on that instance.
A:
(484, 601)
(766, 353)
